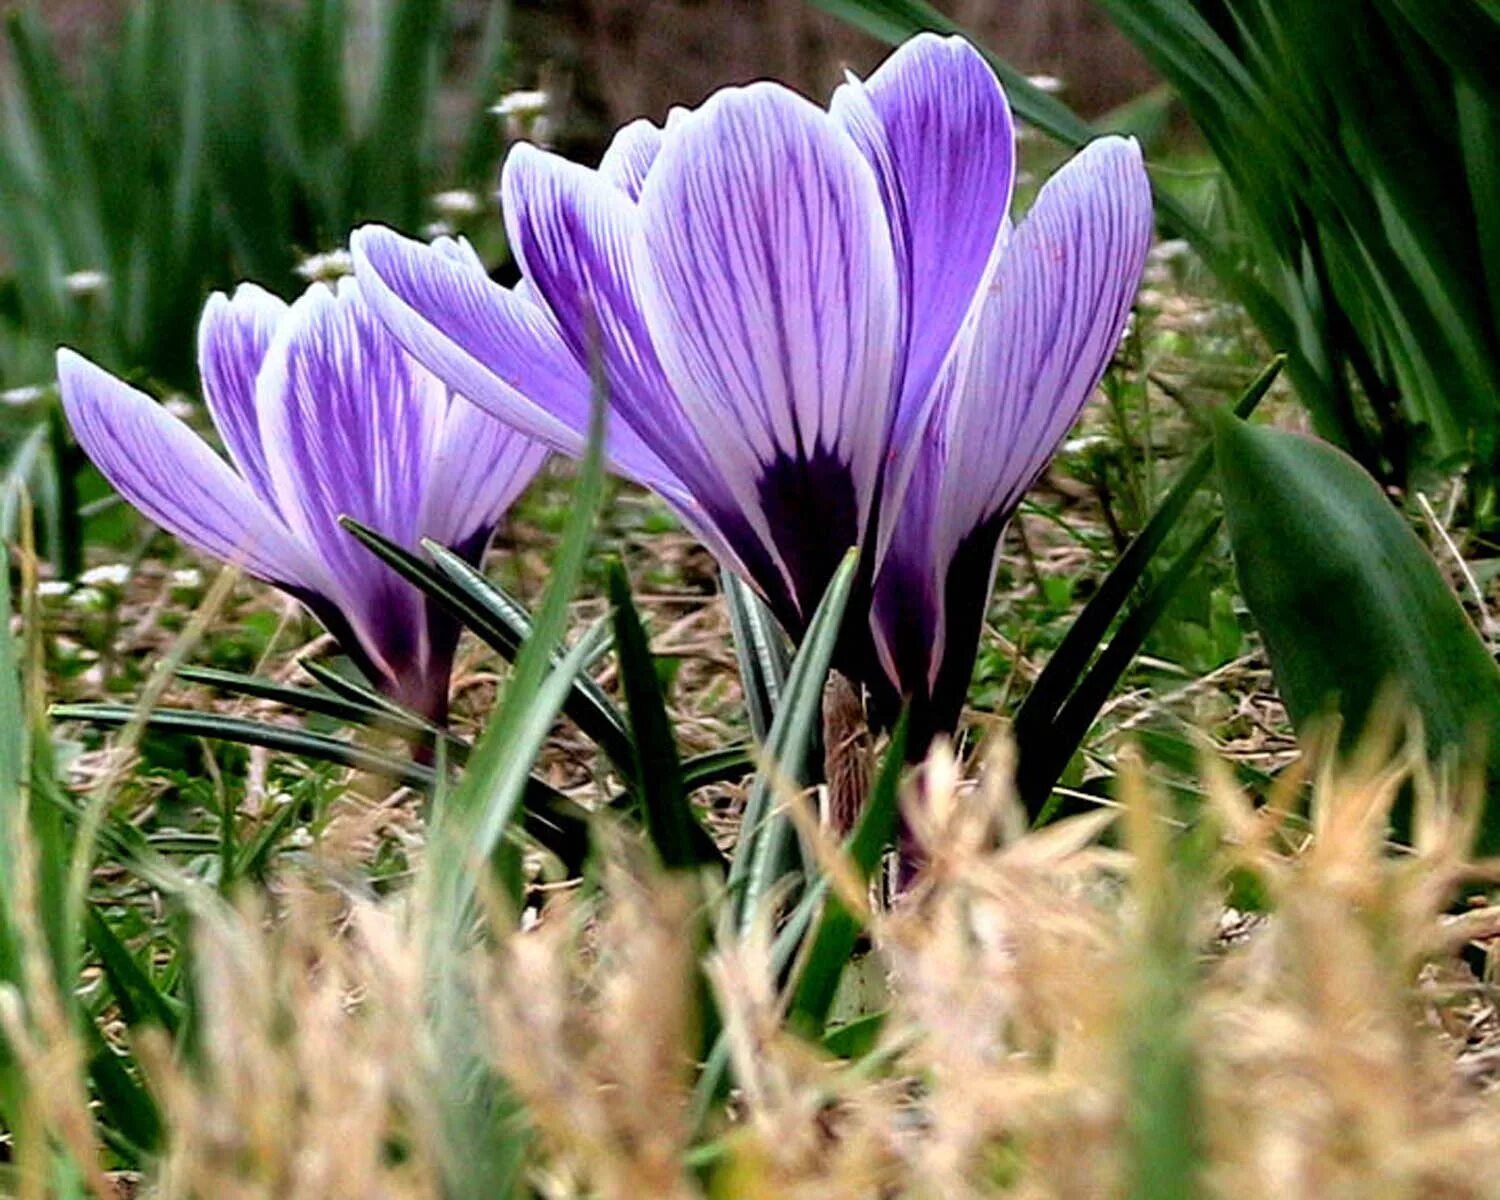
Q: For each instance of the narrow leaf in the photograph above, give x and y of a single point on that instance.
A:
(760, 858)
(662, 797)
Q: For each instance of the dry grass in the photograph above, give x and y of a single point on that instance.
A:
(1038, 983)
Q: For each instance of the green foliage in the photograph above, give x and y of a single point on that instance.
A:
(214, 142)
(1078, 678)
(207, 144)
(661, 793)
(1348, 600)
(1379, 281)
(763, 854)
(1387, 274)
(831, 945)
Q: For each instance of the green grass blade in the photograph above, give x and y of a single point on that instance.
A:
(556, 823)
(1040, 768)
(248, 732)
(139, 1000)
(838, 929)
(387, 717)
(492, 616)
(661, 794)
(760, 647)
(466, 827)
(591, 707)
(1038, 715)
(761, 857)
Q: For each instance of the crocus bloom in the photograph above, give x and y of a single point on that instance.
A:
(817, 329)
(322, 414)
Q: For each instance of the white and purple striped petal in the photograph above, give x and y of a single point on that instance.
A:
(935, 125)
(168, 472)
(351, 426)
(324, 415)
(815, 328)
(768, 285)
(1026, 361)
(492, 344)
(233, 336)
(478, 470)
(630, 155)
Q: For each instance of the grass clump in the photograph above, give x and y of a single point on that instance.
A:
(1059, 1016)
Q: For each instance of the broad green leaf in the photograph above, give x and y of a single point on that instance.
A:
(1348, 600)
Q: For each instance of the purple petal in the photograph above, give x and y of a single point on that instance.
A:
(479, 468)
(574, 234)
(934, 123)
(491, 345)
(233, 335)
(769, 289)
(577, 237)
(169, 473)
(351, 426)
(1028, 359)
(630, 156)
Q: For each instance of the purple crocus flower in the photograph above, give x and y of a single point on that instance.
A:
(817, 328)
(322, 414)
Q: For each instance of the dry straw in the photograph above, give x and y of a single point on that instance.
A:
(1066, 1019)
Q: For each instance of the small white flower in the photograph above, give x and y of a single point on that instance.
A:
(115, 575)
(180, 407)
(436, 229)
(21, 396)
(85, 283)
(1170, 250)
(88, 598)
(457, 202)
(1050, 84)
(53, 589)
(335, 264)
(300, 838)
(189, 579)
(525, 116)
(1086, 444)
(522, 104)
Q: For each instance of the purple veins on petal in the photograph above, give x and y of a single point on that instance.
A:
(815, 328)
(1027, 360)
(233, 336)
(769, 290)
(324, 415)
(936, 127)
(630, 155)
(168, 472)
(496, 346)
